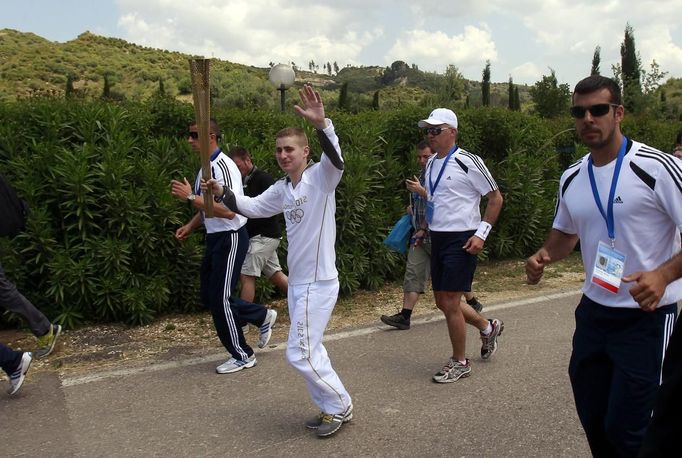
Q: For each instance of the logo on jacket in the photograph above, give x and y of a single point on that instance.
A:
(618, 200)
(295, 215)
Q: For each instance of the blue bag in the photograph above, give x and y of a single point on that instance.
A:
(399, 236)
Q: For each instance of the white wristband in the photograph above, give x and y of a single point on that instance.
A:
(483, 230)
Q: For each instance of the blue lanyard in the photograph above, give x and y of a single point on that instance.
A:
(440, 174)
(608, 216)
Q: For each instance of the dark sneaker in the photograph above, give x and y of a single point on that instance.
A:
(234, 365)
(397, 321)
(489, 346)
(266, 328)
(47, 342)
(328, 424)
(452, 371)
(16, 378)
(473, 302)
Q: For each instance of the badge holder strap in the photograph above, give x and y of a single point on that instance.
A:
(608, 215)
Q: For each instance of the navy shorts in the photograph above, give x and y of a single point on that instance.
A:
(452, 268)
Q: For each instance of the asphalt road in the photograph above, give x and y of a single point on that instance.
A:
(518, 404)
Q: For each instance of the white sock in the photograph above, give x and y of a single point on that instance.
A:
(488, 329)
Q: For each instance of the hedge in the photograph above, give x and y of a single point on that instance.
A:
(100, 243)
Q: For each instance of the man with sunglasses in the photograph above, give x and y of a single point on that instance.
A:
(455, 181)
(226, 246)
(622, 201)
(418, 266)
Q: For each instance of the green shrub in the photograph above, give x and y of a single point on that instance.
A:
(100, 243)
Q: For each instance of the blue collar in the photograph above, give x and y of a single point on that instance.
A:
(215, 154)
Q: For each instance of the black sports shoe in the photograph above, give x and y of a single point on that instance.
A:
(473, 302)
(397, 321)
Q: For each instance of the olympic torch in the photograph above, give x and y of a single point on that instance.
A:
(201, 93)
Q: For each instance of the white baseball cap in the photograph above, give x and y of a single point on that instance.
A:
(440, 116)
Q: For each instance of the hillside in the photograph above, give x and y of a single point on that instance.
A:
(33, 66)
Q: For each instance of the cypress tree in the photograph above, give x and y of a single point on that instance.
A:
(485, 85)
(106, 91)
(631, 70)
(596, 60)
(343, 96)
(68, 91)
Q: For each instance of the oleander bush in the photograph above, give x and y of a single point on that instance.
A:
(100, 243)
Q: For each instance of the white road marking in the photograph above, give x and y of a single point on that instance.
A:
(156, 367)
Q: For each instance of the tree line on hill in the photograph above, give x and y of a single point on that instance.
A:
(132, 72)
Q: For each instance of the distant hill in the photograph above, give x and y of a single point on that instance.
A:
(33, 66)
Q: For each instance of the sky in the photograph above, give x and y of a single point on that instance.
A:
(522, 39)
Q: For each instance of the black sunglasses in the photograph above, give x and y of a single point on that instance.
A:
(435, 131)
(195, 135)
(597, 110)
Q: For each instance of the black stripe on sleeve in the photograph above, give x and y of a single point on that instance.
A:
(225, 172)
(568, 181)
(329, 150)
(670, 164)
(461, 164)
(479, 165)
(642, 175)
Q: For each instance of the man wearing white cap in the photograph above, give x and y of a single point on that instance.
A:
(455, 182)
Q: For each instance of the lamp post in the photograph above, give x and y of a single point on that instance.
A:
(282, 76)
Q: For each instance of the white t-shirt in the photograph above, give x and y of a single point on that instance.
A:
(226, 172)
(309, 212)
(457, 197)
(647, 213)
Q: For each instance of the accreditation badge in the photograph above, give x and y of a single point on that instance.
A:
(429, 211)
(608, 268)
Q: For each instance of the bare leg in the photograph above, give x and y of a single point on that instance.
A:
(449, 303)
(473, 318)
(410, 299)
(281, 281)
(248, 292)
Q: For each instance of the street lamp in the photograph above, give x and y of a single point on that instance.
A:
(282, 76)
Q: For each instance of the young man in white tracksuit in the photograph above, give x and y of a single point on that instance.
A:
(306, 197)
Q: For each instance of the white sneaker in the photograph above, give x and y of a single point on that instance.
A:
(235, 365)
(245, 329)
(266, 328)
(16, 378)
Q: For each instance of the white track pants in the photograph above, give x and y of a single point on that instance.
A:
(310, 307)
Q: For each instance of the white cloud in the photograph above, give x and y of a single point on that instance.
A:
(522, 38)
(435, 50)
(528, 72)
(249, 32)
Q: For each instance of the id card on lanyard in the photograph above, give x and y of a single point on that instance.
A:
(432, 186)
(609, 262)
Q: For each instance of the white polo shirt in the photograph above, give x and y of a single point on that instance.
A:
(226, 172)
(457, 197)
(647, 213)
(309, 212)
